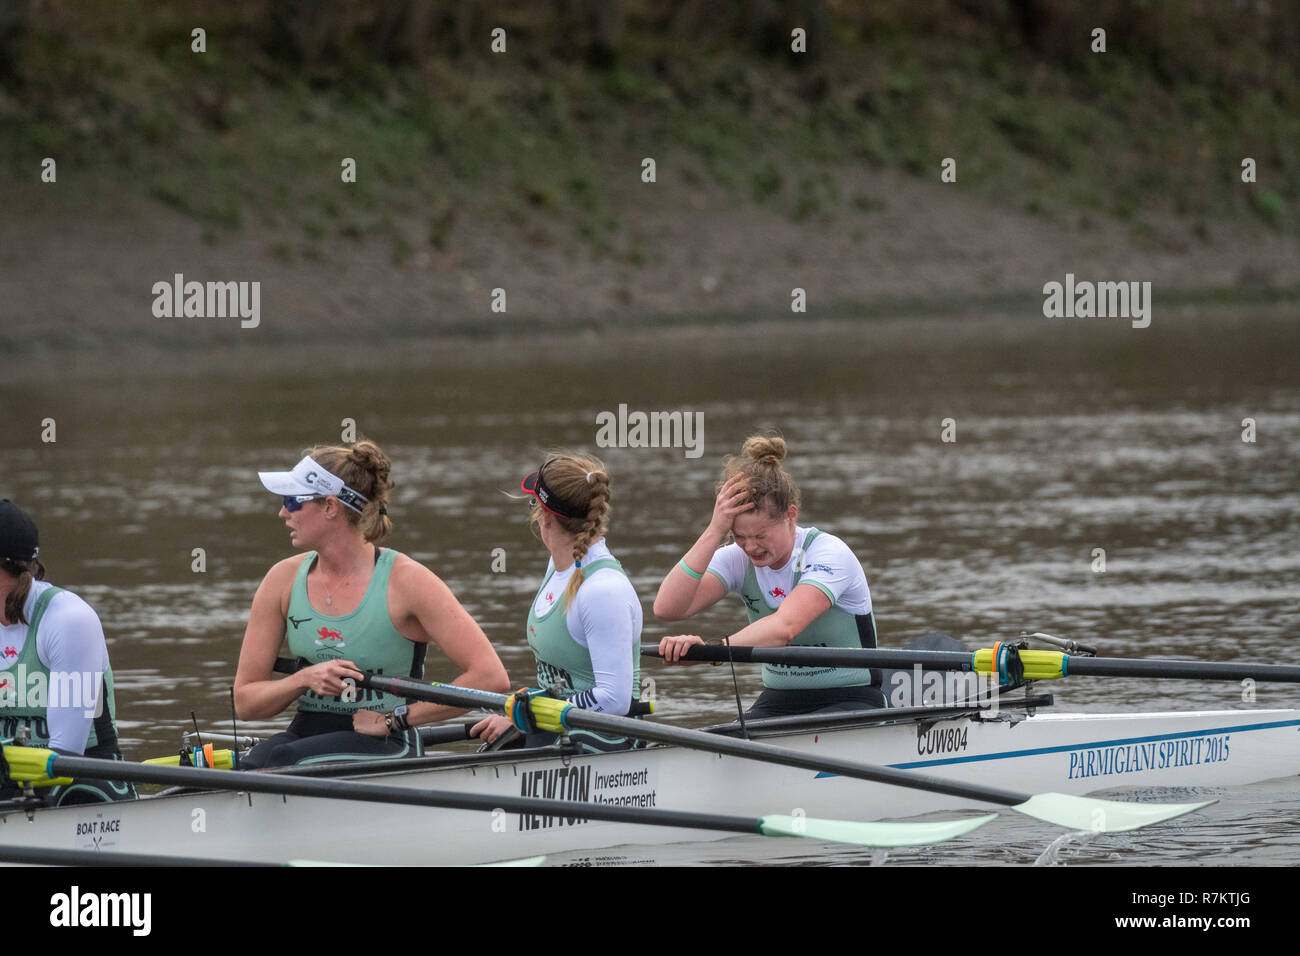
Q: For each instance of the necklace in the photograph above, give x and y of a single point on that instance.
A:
(329, 595)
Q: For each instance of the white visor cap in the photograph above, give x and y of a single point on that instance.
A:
(309, 478)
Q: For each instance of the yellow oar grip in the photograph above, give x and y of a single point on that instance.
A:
(219, 759)
(1039, 665)
(530, 705)
(31, 765)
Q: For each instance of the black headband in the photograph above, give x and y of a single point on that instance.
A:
(535, 485)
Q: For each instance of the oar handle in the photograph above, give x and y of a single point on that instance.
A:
(289, 665)
(864, 657)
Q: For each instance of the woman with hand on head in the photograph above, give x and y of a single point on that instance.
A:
(800, 586)
(584, 625)
(347, 605)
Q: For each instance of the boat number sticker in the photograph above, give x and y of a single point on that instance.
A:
(629, 786)
(941, 740)
(1156, 755)
(98, 831)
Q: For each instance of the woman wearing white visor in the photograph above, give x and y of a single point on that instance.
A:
(347, 605)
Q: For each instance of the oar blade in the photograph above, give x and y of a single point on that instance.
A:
(525, 861)
(875, 834)
(1102, 816)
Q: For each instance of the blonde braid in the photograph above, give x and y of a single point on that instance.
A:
(590, 531)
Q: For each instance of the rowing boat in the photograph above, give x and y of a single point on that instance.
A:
(1023, 745)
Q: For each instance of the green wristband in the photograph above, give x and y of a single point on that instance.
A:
(697, 575)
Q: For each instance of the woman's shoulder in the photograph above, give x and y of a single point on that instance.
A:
(283, 572)
(408, 572)
(827, 546)
(62, 602)
(609, 579)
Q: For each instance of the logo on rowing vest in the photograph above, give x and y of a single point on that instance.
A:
(11, 652)
(550, 597)
(778, 592)
(295, 621)
(329, 638)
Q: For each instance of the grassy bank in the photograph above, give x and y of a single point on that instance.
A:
(471, 162)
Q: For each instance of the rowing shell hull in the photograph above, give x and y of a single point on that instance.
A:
(1067, 753)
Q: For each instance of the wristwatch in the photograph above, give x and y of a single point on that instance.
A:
(396, 721)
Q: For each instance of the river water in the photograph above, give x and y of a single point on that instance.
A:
(1070, 436)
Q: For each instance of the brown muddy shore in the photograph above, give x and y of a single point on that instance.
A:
(78, 262)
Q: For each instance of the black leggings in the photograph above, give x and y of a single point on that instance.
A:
(785, 703)
(317, 738)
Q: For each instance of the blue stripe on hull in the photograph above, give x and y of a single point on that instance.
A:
(1098, 744)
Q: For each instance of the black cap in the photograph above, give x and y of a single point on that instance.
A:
(535, 486)
(18, 538)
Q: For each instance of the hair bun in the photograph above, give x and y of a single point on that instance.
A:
(765, 449)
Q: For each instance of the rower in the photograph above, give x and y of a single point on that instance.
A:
(347, 605)
(584, 625)
(800, 586)
(56, 684)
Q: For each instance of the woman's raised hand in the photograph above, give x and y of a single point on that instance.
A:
(732, 500)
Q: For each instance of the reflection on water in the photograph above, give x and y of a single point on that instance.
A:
(1071, 437)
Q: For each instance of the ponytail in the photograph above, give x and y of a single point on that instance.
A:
(25, 572)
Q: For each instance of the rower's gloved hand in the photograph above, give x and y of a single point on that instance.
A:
(531, 710)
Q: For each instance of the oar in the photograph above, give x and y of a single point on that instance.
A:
(43, 767)
(1038, 664)
(1077, 813)
(45, 856)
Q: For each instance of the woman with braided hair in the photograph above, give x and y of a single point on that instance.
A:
(801, 586)
(347, 605)
(584, 626)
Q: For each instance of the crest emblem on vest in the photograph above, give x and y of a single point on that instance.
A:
(11, 652)
(550, 597)
(777, 592)
(329, 638)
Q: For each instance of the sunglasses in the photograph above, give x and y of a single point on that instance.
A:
(294, 503)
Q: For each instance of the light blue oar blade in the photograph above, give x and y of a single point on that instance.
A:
(319, 863)
(526, 861)
(870, 834)
(1102, 816)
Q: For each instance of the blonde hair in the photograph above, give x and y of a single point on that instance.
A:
(771, 489)
(582, 482)
(365, 469)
